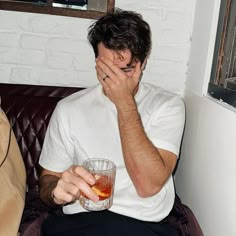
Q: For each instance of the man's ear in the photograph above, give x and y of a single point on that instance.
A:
(143, 66)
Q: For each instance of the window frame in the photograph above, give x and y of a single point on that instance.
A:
(49, 9)
(216, 90)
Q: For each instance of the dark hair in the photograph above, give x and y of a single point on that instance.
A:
(122, 30)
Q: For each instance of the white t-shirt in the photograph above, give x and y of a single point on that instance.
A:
(84, 125)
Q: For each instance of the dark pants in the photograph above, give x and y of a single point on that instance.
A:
(104, 223)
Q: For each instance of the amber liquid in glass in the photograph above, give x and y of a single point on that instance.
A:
(102, 187)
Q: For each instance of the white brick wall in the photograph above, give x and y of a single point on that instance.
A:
(30, 41)
(53, 50)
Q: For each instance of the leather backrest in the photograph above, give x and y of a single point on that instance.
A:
(29, 108)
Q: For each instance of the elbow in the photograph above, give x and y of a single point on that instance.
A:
(147, 187)
(145, 192)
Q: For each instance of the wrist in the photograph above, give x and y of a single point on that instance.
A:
(47, 184)
(127, 104)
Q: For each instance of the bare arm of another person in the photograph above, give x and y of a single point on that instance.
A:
(148, 167)
(61, 188)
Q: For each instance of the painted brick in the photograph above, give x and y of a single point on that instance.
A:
(59, 60)
(85, 79)
(57, 25)
(84, 65)
(170, 53)
(172, 37)
(3, 50)
(29, 41)
(21, 75)
(5, 72)
(8, 39)
(166, 3)
(22, 57)
(12, 20)
(67, 45)
(63, 77)
(167, 68)
(40, 75)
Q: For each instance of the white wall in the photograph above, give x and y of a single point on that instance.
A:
(53, 50)
(206, 175)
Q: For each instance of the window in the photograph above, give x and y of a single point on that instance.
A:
(223, 76)
(76, 8)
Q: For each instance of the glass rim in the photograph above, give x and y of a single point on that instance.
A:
(113, 166)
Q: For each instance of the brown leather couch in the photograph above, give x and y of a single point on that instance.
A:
(29, 108)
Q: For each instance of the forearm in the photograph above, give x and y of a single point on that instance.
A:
(47, 184)
(144, 163)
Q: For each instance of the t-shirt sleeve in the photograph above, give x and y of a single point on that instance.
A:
(167, 125)
(57, 151)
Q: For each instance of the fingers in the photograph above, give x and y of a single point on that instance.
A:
(100, 74)
(106, 68)
(104, 79)
(137, 73)
(65, 193)
(74, 181)
(83, 173)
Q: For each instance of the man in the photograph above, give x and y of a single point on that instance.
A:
(136, 125)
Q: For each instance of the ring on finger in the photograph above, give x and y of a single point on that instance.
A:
(105, 77)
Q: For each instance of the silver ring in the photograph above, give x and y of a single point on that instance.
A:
(105, 77)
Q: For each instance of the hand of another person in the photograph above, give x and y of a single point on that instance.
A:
(119, 85)
(73, 181)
